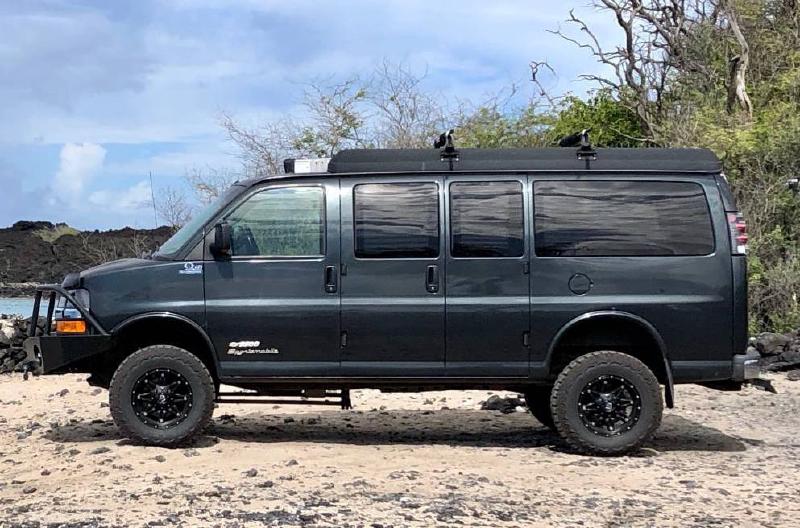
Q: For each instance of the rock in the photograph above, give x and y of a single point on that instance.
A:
(28, 490)
(160, 458)
(7, 332)
(292, 462)
(504, 405)
(784, 358)
(252, 472)
(62, 393)
(794, 375)
(771, 344)
(100, 450)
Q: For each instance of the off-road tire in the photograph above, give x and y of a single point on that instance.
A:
(538, 401)
(582, 371)
(161, 357)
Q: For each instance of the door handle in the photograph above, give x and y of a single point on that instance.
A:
(432, 279)
(331, 279)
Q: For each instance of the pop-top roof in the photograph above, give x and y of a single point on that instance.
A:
(608, 159)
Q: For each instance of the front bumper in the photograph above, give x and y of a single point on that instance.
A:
(55, 354)
(51, 353)
(745, 366)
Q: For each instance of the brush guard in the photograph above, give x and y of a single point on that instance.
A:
(50, 353)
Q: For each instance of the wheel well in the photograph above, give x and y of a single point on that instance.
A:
(609, 333)
(154, 331)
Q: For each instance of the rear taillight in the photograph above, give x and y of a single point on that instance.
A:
(738, 230)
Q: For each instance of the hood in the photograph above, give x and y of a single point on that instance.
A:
(116, 266)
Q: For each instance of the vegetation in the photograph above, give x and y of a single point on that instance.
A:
(51, 234)
(721, 74)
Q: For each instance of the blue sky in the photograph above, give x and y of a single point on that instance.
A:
(98, 93)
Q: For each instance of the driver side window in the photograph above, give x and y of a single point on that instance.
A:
(280, 222)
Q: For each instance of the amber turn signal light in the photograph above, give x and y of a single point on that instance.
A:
(72, 326)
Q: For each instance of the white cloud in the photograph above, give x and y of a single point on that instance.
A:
(135, 197)
(79, 162)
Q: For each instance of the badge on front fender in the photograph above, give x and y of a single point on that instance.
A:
(190, 268)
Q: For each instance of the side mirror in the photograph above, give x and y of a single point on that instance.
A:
(221, 247)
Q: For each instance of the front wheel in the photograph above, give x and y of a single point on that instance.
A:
(606, 403)
(161, 395)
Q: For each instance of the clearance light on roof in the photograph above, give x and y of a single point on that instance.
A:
(306, 165)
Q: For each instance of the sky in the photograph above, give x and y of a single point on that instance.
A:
(96, 95)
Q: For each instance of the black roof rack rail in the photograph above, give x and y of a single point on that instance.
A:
(557, 159)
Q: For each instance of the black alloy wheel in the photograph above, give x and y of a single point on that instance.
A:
(609, 405)
(161, 398)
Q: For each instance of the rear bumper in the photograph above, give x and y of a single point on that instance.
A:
(745, 366)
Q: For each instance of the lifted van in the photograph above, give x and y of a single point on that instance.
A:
(587, 283)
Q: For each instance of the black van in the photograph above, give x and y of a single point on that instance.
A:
(586, 283)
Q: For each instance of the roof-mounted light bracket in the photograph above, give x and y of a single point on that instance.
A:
(586, 151)
(448, 153)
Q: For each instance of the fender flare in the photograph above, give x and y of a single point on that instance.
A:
(168, 315)
(669, 389)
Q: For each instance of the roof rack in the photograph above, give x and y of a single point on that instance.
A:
(546, 159)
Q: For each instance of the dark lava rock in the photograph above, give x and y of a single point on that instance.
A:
(504, 405)
(771, 344)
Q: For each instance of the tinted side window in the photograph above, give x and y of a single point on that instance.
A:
(282, 222)
(621, 218)
(486, 219)
(396, 220)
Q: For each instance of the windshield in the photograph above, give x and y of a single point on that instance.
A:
(190, 229)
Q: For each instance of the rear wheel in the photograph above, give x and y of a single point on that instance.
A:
(606, 403)
(538, 401)
(161, 395)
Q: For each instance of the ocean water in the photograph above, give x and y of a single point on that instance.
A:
(16, 305)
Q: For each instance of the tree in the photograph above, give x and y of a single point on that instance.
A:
(172, 207)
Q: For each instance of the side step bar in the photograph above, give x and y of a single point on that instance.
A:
(328, 397)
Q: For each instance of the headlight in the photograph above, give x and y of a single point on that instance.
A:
(65, 310)
(83, 298)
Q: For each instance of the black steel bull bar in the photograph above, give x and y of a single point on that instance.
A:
(54, 291)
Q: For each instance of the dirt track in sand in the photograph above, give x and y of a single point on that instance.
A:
(721, 459)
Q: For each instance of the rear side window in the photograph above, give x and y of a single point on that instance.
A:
(621, 218)
(396, 220)
(486, 219)
(280, 222)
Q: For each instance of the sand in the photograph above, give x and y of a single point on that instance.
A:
(431, 459)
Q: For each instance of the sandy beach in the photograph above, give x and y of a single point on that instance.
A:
(431, 459)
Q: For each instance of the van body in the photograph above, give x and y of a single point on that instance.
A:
(524, 270)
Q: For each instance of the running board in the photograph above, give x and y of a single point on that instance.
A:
(330, 397)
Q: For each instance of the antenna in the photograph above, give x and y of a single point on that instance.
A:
(153, 198)
(447, 144)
